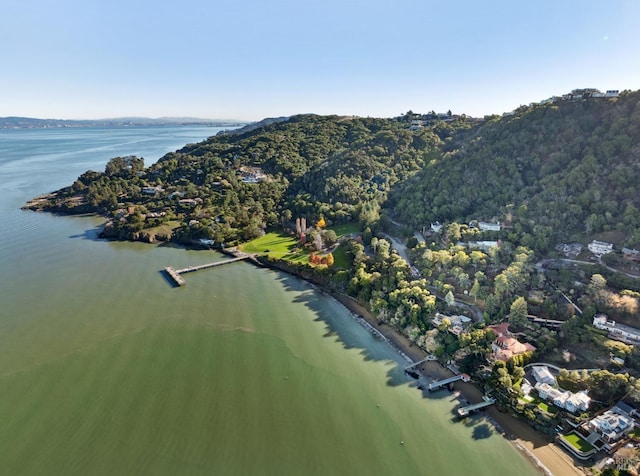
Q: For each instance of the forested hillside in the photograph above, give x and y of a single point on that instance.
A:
(233, 186)
(552, 171)
(549, 173)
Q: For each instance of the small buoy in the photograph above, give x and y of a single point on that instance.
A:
(402, 442)
(286, 377)
(378, 405)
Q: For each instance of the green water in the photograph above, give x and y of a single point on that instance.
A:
(107, 369)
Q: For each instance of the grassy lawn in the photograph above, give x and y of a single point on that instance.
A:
(278, 244)
(347, 229)
(273, 243)
(340, 259)
(165, 229)
(578, 442)
(542, 404)
(546, 407)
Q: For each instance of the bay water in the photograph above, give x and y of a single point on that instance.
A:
(105, 368)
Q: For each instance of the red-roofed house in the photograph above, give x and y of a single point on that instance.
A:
(506, 346)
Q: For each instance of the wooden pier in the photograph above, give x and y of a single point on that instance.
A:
(464, 411)
(415, 364)
(441, 383)
(176, 274)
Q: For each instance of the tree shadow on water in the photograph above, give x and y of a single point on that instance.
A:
(345, 330)
(481, 428)
(482, 431)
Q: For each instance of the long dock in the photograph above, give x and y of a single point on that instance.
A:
(176, 274)
(191, 269)
(464, 411)
(441, 383)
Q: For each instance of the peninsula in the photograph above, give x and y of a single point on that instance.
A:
(505, 246)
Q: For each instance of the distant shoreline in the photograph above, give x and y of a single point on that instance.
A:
(12, 123)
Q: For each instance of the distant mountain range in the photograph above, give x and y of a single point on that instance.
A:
(33, 123)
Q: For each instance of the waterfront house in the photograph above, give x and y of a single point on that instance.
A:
(505, 346)
(572, 402)
(612, 425)
(458, 323)
(577, 402)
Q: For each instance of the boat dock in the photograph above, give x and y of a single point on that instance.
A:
(176, 274)
(415, 364)
(441, 383)
(464, 411)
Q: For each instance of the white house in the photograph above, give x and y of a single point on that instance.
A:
(541, 374)
(488, 226)
(572, 402)
(600, 321)
(152, 190)
(577, 402)
(481, 245)
(436, 227)
(600, 248)
(611, 425)
(612, 93)
(621, 332)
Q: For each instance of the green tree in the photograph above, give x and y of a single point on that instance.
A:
(518, 313)
(450, 299)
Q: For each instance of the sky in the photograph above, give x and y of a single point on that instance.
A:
(251, 59)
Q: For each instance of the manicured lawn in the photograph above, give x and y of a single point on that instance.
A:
(578, 442)
(347, 229)
(278, 244)
(340, 259)
(543, 405)
(273, 243)
(547, 408)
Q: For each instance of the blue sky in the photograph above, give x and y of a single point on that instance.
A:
(249, 59)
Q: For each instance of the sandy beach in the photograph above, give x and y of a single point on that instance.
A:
(549, 457)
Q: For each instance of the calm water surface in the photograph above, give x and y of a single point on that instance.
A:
(106, 369)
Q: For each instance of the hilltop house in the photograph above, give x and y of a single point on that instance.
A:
(600, 248)
(485, 245)
(631, 254)
(152, 190)
(618, 332)
(488, 226)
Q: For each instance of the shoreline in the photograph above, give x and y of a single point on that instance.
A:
(542, 453)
